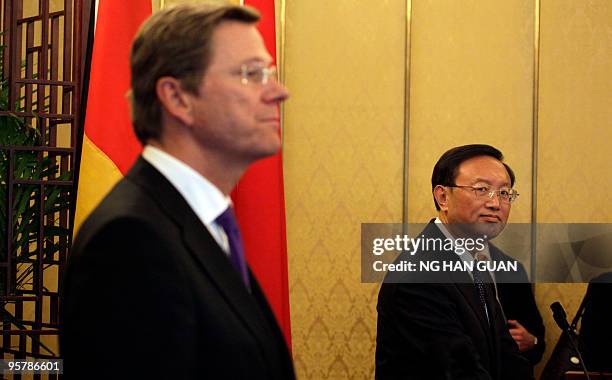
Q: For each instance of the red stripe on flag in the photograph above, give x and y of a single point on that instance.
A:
(260, 207)
(107, 121)
(267, 24)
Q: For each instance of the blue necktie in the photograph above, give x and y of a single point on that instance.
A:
(227, 220)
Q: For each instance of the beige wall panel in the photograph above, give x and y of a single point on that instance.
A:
(471, 82)
(575, 112)
(343, 126)
(575, 128)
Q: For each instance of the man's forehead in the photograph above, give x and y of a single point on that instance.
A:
(491, 180)
(483, 169)
(236, 42)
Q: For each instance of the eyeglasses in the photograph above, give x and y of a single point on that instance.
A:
(257, 74)
(505, 195)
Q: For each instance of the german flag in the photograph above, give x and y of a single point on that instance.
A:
(109, 146)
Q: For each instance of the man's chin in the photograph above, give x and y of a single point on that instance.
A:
(489, 229)
(266, 150)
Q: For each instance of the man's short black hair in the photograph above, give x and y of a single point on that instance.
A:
(445, 171)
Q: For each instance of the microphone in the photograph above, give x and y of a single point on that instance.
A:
(560, 318)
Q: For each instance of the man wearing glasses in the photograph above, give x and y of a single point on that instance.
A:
(157, 285)
(449, 324)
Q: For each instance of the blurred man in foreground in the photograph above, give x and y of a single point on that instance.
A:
(157, 286)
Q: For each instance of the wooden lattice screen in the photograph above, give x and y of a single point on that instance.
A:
(42, 50)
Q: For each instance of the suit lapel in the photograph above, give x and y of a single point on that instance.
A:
(470, 293)
(462, 280)
(467, 288)
(216, 265)
(203, 248)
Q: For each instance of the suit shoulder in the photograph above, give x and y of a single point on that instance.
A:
(125, 213)
(123, 233)
(126, 201)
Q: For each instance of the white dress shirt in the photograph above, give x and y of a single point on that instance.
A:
(204, 198)
(483, 254)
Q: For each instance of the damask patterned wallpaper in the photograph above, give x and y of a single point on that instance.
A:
(344, 66)
(575, 129)
(471, 66)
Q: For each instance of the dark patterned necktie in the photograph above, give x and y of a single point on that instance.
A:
(482, 290)
(227, 220)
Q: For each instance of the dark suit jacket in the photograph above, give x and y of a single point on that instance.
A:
(595, 329)
(440, 330)
(518, 302)
(149, 294)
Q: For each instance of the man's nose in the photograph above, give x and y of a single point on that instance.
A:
(493, 200)
(276, 92)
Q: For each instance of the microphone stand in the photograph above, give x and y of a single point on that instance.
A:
(560, 317)
(572, 337)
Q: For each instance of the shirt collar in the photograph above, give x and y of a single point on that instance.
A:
(206, 200)
(483, 254)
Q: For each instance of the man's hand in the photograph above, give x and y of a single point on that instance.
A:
(522, 337)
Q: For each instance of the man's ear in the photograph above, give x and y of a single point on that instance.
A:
(440, 193)
(174, 99)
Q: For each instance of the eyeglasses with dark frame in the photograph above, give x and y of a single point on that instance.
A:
(505, 195)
